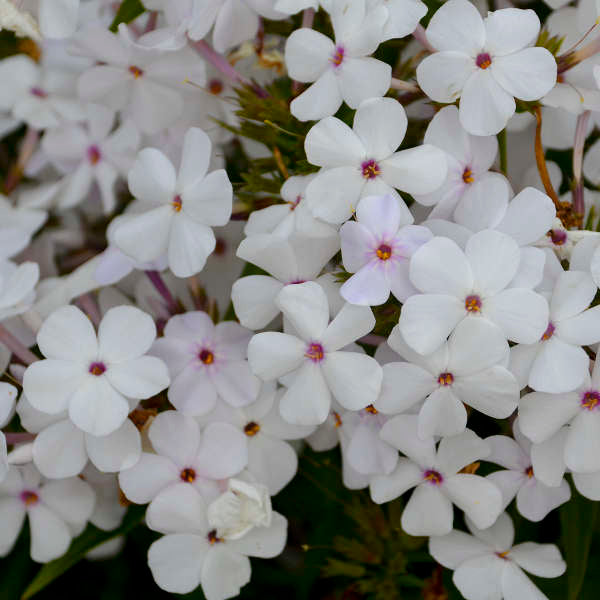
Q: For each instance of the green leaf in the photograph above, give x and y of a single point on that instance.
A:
(81, 545)
(128, 11)
(577, 518)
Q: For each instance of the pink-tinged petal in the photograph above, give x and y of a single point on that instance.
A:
(236, 384)
(457, 25)
(253, 299)
(368, 286)
(485, 106)
(193, 391)
(528, 74)
(322, 99)
(494, 392)
(443, 75)
(272, 354)
(357, 244)
(152, 177)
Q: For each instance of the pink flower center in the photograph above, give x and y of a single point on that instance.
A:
(212, 537)
(93, 154)
(384, 252)
(97, 368)
(28, 497)
(590, 400)
(433, 477)
(529, 472)
(206, 356)
(558, 236)
(467, 175)
(483, 60)
(473, 304)
(370, 169)
(446, 379)
(503, 555)
(187, 475)
(338, 56)
(177, 203)
(315, 352)
(251, 429)
(38, 92)
(549, 332)
(136, 71)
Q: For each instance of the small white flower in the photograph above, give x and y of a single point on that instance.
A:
(487, 565)
(181, 207)
(318, 369)
(486, 63)
(95, 378)
(436, 478)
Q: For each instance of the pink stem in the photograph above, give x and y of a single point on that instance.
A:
(163, 290)
(568, 60)
(405, 86)
(421, 37)
(222, 64)
(16, 347)
(18, 438)
(26, 151)
(151, 23)
(372, 340)
(578, 143)
(89, 306)
(308, 17)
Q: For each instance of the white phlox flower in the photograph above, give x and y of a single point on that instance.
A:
(313, 357)
(434, 473)
(363, 161)
(487, 565)
(181, 207)
(487, 63)
(456, 285)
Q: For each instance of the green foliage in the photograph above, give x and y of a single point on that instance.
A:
(128, 11)
(552, 43)
(578, 518)
(88, 540)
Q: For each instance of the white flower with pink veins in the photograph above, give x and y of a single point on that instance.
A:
(206, 362)
(487, 63)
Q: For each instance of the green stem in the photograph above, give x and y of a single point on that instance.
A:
(503, 155)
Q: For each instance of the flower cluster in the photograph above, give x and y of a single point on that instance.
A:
(230, 229)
